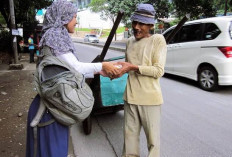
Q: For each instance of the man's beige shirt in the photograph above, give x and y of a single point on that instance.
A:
(143, 87)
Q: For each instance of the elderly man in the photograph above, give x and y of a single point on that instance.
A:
(145, 60)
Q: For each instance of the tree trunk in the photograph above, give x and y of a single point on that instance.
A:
(226, 7)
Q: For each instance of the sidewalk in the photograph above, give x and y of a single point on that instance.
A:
(24, 60)
(16, 94)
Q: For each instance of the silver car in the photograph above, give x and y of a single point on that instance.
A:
(91, 38)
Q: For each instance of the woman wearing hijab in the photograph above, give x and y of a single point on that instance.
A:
(60, 20)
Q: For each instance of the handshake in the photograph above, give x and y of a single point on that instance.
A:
(116, 69)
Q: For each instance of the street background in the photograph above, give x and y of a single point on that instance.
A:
(194, 123)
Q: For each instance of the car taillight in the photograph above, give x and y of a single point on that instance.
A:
(227, 51)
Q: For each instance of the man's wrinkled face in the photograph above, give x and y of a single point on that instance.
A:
(141, 30)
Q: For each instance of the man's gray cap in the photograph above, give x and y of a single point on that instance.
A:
(144, 13)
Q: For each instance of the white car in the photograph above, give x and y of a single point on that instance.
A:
(91, 38)
(202, 51)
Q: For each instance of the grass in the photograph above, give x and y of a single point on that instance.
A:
(105, 32)
(83, 29)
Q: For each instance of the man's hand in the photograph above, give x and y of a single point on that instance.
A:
(116, 69)
(125, 67)
(110, 69)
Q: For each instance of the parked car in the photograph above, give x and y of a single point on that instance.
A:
(91, 38)
(202, 51)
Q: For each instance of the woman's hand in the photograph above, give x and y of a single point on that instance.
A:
(110, 69)
(103, 73)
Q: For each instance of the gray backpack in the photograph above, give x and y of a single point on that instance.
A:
(63, 91)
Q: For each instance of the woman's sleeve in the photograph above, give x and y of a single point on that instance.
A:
(87, 69)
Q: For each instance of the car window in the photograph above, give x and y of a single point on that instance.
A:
(190, 33)
(92, 35)
(167, 33)
(211, 31)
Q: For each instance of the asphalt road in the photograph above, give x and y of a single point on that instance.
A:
(119, 43)
(194, 123)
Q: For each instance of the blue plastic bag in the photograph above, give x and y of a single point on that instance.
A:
(112, 91)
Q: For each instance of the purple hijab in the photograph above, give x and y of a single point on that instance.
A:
(55, 35)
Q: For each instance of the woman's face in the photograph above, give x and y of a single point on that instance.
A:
(71, 25)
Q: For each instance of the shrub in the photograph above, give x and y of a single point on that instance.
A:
(5, 41)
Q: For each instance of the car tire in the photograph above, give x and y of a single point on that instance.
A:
(208, 78)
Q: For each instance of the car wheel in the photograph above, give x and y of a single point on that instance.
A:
(208, 78)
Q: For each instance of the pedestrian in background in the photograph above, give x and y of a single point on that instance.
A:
(145, 60)
(31, 47)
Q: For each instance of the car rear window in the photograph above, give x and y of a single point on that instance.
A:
(92, 35)
(211, 31)
(230, 30)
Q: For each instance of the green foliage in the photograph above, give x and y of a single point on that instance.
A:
(120, 30)
(97, 5)
(110, 8)
(105, 32)
(83, 29)
(223, 6)
(2, 20)
(220, 4)
(196, 8)
(128, 6)
(25, 10)
(174, 22)
(5, 40)
(102, 7)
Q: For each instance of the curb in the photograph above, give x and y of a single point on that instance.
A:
(16, 66)
(97, 45)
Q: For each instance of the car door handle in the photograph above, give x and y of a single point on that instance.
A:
(177, 45)
(169, 47)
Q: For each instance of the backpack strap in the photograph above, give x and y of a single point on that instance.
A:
(38, 115)
(35, 141)
(46, 51)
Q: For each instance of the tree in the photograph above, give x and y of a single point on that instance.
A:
(102, 6)
(227, 6)
(196, 8)
(25, 10)
(110, 8)
(128, 6)
(223, 6)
